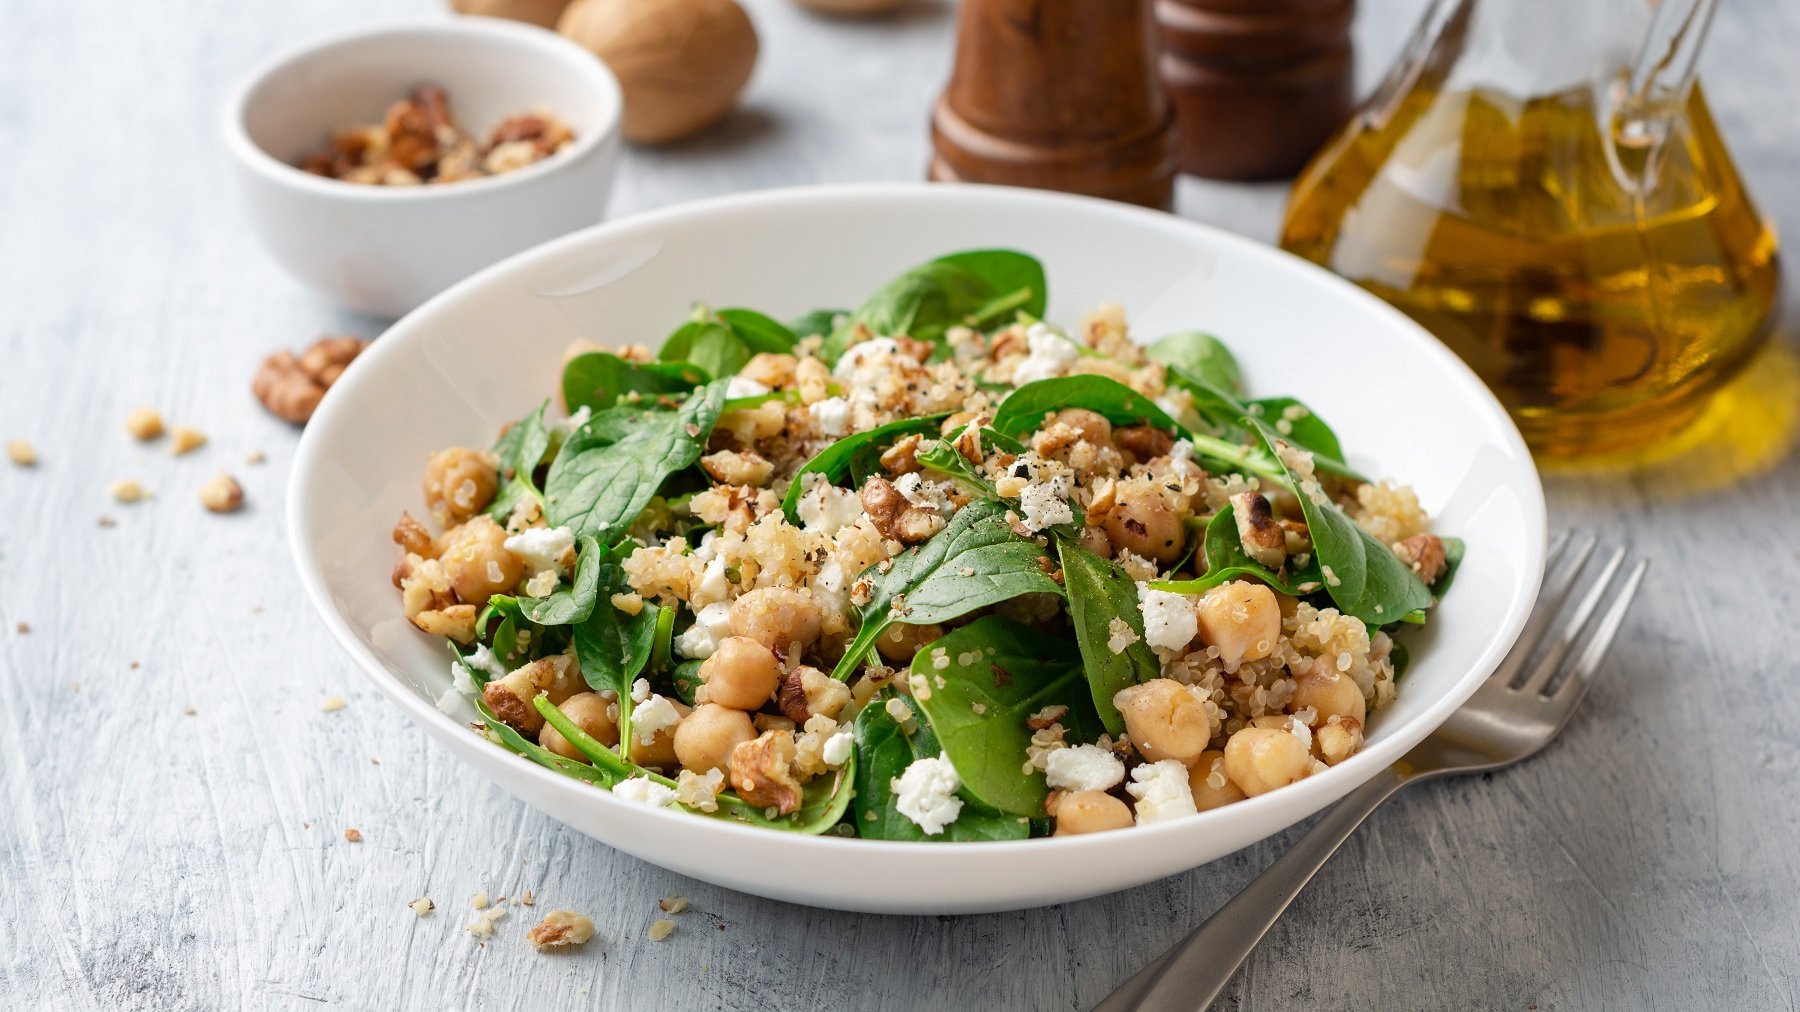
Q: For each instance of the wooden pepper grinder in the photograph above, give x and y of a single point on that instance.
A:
(1058, 95)
(1259, 85)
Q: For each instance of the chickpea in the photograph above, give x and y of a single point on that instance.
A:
(589, 712)
(1090, 426)
(660, 753)
(1202, 773)
(1330, 692)
(741, 674)
(1242, 619)
(1260, 759)
(1080, 812)
(459, 483)
(780, 618)
(1094, 539)
(1143, 520)
(705, 739)
(477, 562)
(1166, 719)
(900, 642)
(770, 369)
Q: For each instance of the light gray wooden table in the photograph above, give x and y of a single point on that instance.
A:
(174, 796)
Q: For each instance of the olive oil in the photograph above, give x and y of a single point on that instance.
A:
(1601, 288)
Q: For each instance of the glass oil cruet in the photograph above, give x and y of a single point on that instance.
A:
(1540, 183)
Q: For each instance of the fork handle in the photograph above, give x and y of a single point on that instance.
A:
(1192, 973)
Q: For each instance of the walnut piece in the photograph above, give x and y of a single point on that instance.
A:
(144, 424)
(761, 770)
(1425, 554)
(561, 929)
(21, 453)
(894, 516)
(1262, 538)
(222, 494)
(291, 387)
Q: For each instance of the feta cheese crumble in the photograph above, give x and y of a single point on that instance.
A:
(644, 791)
(838, 748)
(1083, 768)
(926, 794)
(743, 386)
(1161, 790)
(1049, 354)
(1044, 503)
(651, 716)
(1170, 622)
(541, 548)
(825, 508)
(831, 416)
(864, 361)
(565, 428)
(711, 625)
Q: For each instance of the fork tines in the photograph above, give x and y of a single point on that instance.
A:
(1538, 664)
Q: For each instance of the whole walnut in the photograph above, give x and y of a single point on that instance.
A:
(292, 387)
(680, 63)
(542, 13)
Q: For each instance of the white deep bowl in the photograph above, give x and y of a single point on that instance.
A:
(489, 350)
(385, 249)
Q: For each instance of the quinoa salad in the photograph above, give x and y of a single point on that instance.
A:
(934, 569)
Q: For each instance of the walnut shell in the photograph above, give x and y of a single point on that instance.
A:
(680, 63)
(542, 13)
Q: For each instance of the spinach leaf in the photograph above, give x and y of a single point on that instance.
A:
(1024, 409)
(606, 473)
(1202, 356)
(977, 685)
(818, 323)
(503, 639)
(1364, 578)
(1305, 430)
(1101, 593)
(1454, 551)
(973, 562)
(574, 603)
(709, 345)
(938, 455)
(883, 751)
(1225, 558)
(855, 454)
(971, 288)
(758, 332)
(518, 454)
(597, 379)
(1226, 413)
(686, 681)
(614, 647)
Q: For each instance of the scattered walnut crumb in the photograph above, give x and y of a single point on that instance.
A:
(422, 906)
(661, 929)
(190, 711)
(133, 665)
(333, 704)
(528, 898)
(560, 929)
(106, 521)
(24, 628)
(672, 904)
(129, 490)
(483, 924)
(222, 494)
(374, 761)
(479, 901)
(185, 440)
(353, 835)
(144, 423)
(255, 457)
(21, 453)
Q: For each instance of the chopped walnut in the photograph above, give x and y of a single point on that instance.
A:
(1425, 554)
(422, 906)
(1262, 538)
(419, 141)
(561, 929)
(413, 538)
(1144, 443)
(661, 929)
(353, 835)
(184, 439)
(129, 490)
(902, 457)
(733, 467)
(761, 770)
(21, 453)
(291, 387)
(672, 904)
(222, 494)
(144, 423)
(895, 516)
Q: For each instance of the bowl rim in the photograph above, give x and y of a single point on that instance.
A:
(516, 34)
(1303, 798)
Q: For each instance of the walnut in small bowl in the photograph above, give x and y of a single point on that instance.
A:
(420, 141)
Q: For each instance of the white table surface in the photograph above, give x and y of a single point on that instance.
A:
(156, 858)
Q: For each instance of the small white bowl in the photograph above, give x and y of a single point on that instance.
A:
(489, 350)
(386, 249)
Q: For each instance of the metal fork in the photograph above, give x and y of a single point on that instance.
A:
(1514, 714)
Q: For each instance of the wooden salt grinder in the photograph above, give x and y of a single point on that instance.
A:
(1259, 85)
(1057, 95)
